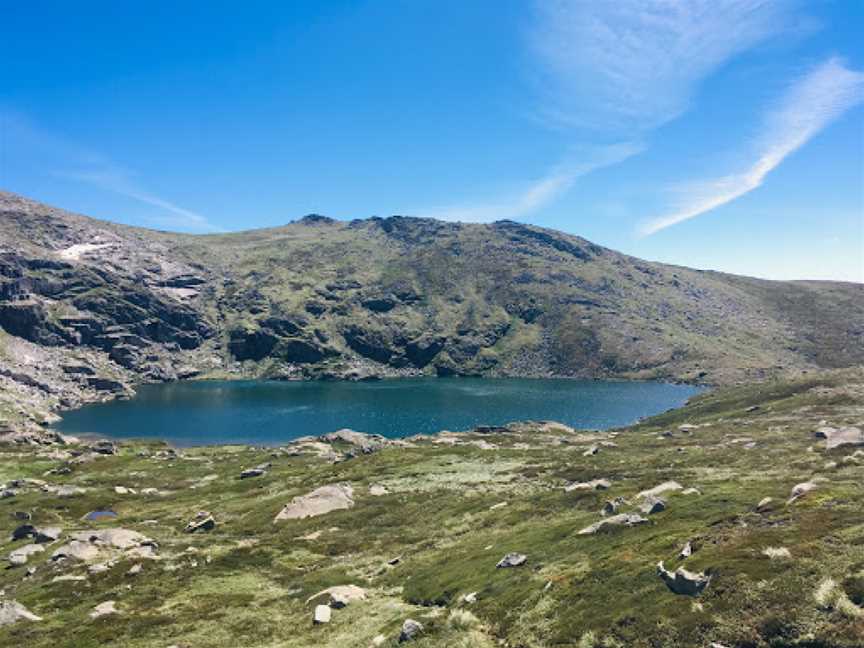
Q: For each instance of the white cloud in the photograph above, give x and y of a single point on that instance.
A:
(616, 69)
(629, 66)
(538, 193)
(808, 107)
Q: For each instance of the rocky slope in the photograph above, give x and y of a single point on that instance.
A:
(733, 522)
(89, 307)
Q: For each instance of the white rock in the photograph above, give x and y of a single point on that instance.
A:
(322, 500)
(104, 609)
(322, 614)
(12, 611)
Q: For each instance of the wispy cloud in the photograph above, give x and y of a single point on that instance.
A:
(615, 71)
(629, 66)
(809, 106)
(538, 193)
(120, 181)
(58, 157)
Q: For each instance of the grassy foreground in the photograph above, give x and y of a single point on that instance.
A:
(433, 516)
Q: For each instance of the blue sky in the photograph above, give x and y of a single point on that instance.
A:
(723, 135)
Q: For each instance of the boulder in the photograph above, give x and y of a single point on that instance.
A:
(800, 490)
(340, 596)
(13, 611)
(665, 487)
(203, 521)
(611, 506)
(653, 505)
(594, 484)
(76, 550)
(22, 554)
(622, 519)
(686, 551)
(104, 609)
(835, 438)
(593, 450)
(322, 500)
(322, 614)
(117, 538)
(682, 581)
(410, 630)
(257, 471)
(377, 490)
(512, 560)
(764, 504)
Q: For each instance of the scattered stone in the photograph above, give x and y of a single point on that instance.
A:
(594, 484)
(593, 450)
(104, 609)
(686, 551)
(394, 561)
(320, 501)
(688, 428)
(322, 614)
(410, 629)
(68, 577)
(21, 555)
(622, 519)
(257, 471)
(665, 487)
(76, 550)
(800, 490)
(512, 560)
(691, 491)
(202, 521)
(682, 581)
(377, 491)
(12, 611)
(653, 505)
(135, 569)
(470, 598)
(752, 408)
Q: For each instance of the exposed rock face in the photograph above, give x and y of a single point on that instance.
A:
(21, 555)
(340, 596)
(104, 609)
(652, 505)
(682, 581)
(322, 500)
(594, 484)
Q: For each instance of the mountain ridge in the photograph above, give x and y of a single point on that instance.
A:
(378, 297)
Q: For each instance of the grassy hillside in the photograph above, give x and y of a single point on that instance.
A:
(431, 518)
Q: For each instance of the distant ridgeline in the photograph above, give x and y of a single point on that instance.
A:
(102, 305)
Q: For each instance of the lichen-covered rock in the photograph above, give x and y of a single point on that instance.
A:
(653, 505)
(325, 499)
(21, 555)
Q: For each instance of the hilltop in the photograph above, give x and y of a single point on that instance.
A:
(90, 308)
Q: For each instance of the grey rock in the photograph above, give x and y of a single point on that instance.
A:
(257, 471)
(22, 554)
(13, 611)
(512, 560)
(682, 581)
(410, 630)
(322, 500)
(653, 504)
(622, 519)
(203, 521)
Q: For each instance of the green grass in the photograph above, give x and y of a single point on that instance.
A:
(247, 581)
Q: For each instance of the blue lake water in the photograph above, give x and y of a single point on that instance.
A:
(256, 412)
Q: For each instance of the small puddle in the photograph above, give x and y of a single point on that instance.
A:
(94, 516)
